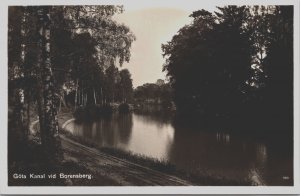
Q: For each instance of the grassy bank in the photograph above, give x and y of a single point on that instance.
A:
(201, 178)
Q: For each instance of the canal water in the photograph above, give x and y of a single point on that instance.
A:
(221, 154)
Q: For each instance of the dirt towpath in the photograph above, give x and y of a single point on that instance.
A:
(121, 171)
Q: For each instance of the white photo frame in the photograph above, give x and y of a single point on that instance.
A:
(136, 4)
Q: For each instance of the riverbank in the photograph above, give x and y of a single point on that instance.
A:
(201, 178)
(116, 167)
(103, 168)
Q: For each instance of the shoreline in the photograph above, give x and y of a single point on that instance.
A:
(73, 147)
(155, 164)
(105, 169)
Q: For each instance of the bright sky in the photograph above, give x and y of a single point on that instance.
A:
(152, 26)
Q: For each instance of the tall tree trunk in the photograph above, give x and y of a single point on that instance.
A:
(76, 92)
(40, 98)
(20, 112)
(59, 107)
(83, 97)
(82, 101)
(62, 98)
(95, 100)
(28, 116)
(79, 97)
(50, 139)
(19, 116)
(102, 97)
(86, 99)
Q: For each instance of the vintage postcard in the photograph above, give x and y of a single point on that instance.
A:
(150, 97)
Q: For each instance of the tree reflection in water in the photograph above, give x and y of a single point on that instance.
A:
(190, 147)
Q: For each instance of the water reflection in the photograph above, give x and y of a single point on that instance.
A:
(223, 138)
(151, 139)
(217, 153)
(113, 132)
(261, 155)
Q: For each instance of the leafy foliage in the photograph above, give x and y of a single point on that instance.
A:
(53, 50)
(225, 63)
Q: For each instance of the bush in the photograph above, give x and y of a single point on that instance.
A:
(124, 108)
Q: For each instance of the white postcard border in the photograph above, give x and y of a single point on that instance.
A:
(5, 189)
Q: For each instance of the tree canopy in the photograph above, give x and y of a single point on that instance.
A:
(234, 63)
(53, 50)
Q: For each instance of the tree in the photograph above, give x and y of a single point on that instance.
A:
(207, 62)
(232, 60)
(84, 68)
(156, 93)
(125, 86)
(48, 110)
(234, 64)
(51, 47)
(278, 67)
(109, 41)
(15, 68)
(112, 78)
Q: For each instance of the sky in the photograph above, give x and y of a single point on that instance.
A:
(152, 27)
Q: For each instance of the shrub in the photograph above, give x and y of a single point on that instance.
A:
(124, 108)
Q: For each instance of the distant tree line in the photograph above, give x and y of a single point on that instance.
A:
(157, 93)
(235, 65)
(54, 49)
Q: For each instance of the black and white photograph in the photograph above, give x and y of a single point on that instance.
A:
(151, 95)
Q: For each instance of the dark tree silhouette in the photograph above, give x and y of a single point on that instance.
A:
(225, 67)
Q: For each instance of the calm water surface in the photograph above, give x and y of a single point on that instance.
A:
(217, 153)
